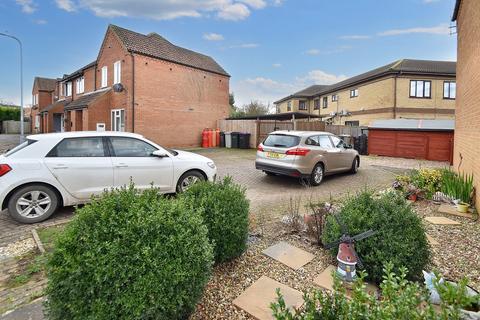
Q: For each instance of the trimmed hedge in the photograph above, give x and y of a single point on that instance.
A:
(400, 237)
(225, 212)
(129, 255)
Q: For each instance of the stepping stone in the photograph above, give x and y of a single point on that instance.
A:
(289, 255)
(432, 241)
(325, 280)
(441, 220)
(449, 209)
(257, 298)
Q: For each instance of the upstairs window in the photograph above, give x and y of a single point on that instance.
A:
(289, 106)
(420, 88)
(117, 72)
(35, 99)
(353, 93)
(68, 89)
(302, 105)
(316, 104)
(449, 90)
(334, 97)
(80, 85)
(104, 77)
(325, 102)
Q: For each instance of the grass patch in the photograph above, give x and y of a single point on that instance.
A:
(49, 235)
(30, 266)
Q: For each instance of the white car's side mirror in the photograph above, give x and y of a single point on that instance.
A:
(159, 153)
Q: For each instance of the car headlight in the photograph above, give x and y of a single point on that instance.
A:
(211, 165)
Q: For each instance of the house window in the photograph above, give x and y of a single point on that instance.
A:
(35, 99)
(335, 97)
(325, 102)
(117, 72)
(104, 77)
(37, 121)
(353, 93)
(80, 85)
(316, 104)
(118, 120)
(420, 88)
(353, 123)
(289, 106)
(302, 105)
(449, 90)
(68, 89)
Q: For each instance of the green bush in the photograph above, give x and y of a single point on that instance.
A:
(129, 256)
(400, 237)
(457, 186)
(400, 299)
(428, 180)
(225, 214)
(9, 113)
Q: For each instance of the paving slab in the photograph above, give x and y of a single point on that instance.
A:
(449, 209)
(289, 255)
(257, 298)
(432, 241)
(441, 221)
(325, 280)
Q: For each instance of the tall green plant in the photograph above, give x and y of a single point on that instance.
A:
(458, 186)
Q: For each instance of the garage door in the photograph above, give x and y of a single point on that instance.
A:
(437, 146)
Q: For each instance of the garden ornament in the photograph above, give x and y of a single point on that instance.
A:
(347, 257)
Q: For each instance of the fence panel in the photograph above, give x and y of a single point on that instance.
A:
(245, 126)
(349, 130)
(311, 125)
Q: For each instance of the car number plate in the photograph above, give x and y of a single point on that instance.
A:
(275, 155)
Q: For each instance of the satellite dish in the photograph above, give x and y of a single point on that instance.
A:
(118, 87)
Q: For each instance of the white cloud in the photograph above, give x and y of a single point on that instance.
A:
(355, 37)
(245, 46)
(312, 52)
(267, 90)
(67, 5)
(233, 10)
(430, 1)
(442, 29)
(40, 21)
(276, 65)
(28, 6)
(213, 36)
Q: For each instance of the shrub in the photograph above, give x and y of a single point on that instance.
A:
(427, 180)
(457, 186)
(400, 236)
(129, 256)
(225, 212)
(400, 299)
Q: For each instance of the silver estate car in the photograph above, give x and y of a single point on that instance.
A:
(305, 154)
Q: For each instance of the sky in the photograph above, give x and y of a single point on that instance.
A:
(271, 48)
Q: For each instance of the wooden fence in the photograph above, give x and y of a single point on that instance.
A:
(259, 129)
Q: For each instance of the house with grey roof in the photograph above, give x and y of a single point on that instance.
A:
(403, 89)
(140, 83)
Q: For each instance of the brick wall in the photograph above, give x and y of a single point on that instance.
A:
(174, 103)
(467, 113)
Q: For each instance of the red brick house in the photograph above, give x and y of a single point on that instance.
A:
(42, 96)
(144, 84)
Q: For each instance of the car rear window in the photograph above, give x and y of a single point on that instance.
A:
(20, 147)
(281, 141)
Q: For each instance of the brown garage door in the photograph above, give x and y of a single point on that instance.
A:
(428, 145)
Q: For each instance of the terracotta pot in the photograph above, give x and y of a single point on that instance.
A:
(412, 197)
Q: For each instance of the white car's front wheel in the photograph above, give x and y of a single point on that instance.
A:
(33, 203)
(188, 179)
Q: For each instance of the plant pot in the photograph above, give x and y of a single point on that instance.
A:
(462, 207)
(412, 197)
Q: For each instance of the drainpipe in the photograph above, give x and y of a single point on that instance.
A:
(133, 92)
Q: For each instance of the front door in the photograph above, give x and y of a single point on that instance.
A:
(57, 122)
(81, 166)
(133, 162)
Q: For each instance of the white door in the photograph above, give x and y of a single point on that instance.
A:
(133, 161)
(81, 166)
(118, 120)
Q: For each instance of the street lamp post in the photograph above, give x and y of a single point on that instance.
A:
(22, 134)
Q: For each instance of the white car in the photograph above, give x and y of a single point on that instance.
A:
(64, 169)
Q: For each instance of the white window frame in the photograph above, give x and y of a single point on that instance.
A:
(120, 115)
(448, 93)
(80, 85)
(104, 82)
(117, 72)
(37, 121)
(334, 97)
(420, 89)
(353, 93)
(68, 88)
